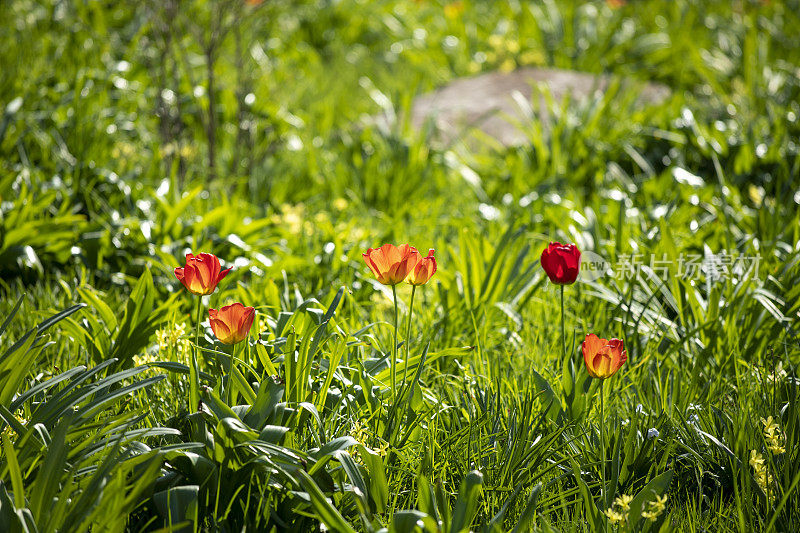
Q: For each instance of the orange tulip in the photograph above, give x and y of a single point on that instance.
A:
(424, 270)
(391, 264)
(602, 357)
(201, 274)
(232, 323)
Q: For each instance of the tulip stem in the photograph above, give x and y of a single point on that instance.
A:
(603, 453)
(394, 346)
(563, 336)
(194, 391)
(230, 375)
(408, 335)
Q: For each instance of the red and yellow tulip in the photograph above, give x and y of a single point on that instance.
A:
(201, 274)
(232, 323)
(391, 264)
(423, 270)
(603, 357)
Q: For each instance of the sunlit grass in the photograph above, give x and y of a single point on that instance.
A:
(106, 184)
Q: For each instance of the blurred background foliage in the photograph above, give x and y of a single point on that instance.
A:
(131, 133)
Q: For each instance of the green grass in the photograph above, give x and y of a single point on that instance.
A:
(106, 182)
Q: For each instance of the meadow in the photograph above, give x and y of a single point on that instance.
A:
(349, 399)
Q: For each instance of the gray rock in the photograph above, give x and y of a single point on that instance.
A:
(496, 102)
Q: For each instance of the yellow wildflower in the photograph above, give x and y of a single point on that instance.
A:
(624, 502)
(495, 41)
(453, 9)
(169, 338)
(655, 508)
(340, 204)
(773, 436)
(144, 358)
(619, 510)
(763, 478)
(7, 430)
(615, 517)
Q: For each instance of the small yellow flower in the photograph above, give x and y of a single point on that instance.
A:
(495, 41)
(756, 461)
(773, 436)
(512, 46)
(7, 430)
(144, 359)
(263, 326)
(169, 338)
(763, 478)
(507, 65)
(531, 57)
(615, 517)
(624, 502)
(453, 9)
(383, 449)
(655, 508)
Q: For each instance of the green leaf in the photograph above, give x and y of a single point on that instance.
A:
(657, 486)
(467, 502)
(325, 511)
(376, 472)
(178, 505)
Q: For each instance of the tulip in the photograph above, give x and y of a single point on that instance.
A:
(561, 262)
(603, 358)
(231, 324)
(423, 271)
(391, 264)
(201, 274)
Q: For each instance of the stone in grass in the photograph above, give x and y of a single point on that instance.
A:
(494, 102)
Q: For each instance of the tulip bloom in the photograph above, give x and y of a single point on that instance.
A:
(424, 270)
(231, 324)
(561, 262)
(391, 264)
(201, 274)
(603, 357)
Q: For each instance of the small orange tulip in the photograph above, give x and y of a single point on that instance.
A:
(424, 270)
(603, 357)
(201, 274)
(231, 323)
(391, 264)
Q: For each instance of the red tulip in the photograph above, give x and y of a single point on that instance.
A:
(232, 323)
(201, 274)
(391, 264)
(602, 357)
(424, 270)
(561, 262)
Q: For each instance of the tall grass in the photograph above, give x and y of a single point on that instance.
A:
(110, 117)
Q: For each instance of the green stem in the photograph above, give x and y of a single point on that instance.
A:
(563, 336)
(230, 375)
(194, 377)
(394, 346)
(408, 335)
(603, 453)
